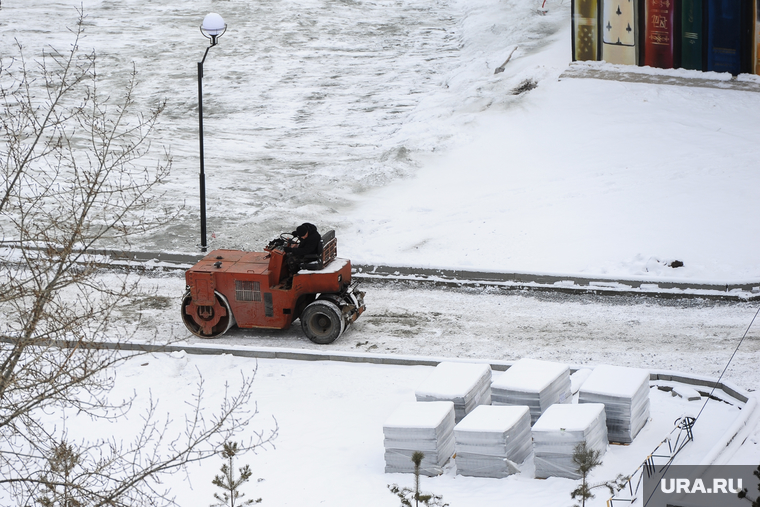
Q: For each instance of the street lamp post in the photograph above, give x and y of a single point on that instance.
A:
(212, 28)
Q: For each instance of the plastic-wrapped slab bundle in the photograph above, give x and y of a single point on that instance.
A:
(491, 441)
(625, 394)
(537, 384)
(466, 384)
(559, 430)
(416, 426)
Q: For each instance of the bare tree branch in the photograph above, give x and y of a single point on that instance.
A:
(78, 173)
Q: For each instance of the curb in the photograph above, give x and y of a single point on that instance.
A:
(560, 283)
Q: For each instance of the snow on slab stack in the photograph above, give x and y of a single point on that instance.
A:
(491, 441)
(537, 384)
(625, 394)
(466, 384)
(559, 430)
(426, 427)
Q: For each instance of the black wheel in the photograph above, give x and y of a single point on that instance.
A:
(322, 322)
(207, 321)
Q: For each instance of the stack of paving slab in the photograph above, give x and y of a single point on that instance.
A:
(557, 433)
(416, 426)
(625, 394)
(537, 384)
(467, 385)
(492, 441)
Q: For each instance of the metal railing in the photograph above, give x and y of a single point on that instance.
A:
(633, 487)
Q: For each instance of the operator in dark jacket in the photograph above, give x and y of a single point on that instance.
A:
(310, 240)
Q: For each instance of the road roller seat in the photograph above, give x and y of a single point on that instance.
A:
(326, 252)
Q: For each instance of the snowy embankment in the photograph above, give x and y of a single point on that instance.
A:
(585, 177)
(387, 123)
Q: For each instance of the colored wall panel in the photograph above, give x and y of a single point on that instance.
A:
(620, 32)
(692, 37)
(724, 36)
(756, 37)
(659, 33)
(585, 30)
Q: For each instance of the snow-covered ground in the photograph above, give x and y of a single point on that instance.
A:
(695, 337)
(384, 120)
(330, 445)
(329, 450)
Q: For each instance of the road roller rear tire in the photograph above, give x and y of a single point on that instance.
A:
(322, 322)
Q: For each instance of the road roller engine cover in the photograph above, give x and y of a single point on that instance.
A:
(258, 290)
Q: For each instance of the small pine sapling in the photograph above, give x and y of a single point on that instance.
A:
(743, 492)
(230, 486)
(59, 485)
(409, 495)
(587, 459)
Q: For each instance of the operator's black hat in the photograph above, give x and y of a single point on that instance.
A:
(301, 230)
